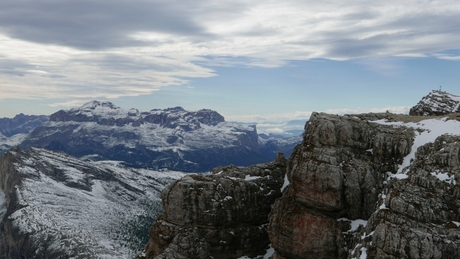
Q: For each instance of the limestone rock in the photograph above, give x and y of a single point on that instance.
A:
(359, 189)
(218, 215)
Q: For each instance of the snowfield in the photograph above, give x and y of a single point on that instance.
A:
(427, 131)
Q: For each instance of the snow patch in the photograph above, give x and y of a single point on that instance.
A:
(444, 177)
(251, 178)
(428, 131)
(354, 224)
(363, 253)
(286, 183)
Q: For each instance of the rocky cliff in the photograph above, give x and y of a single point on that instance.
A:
(437, 102)
(218, 215)
(53, 205)
(358, 186)
(192, 141)
(371, 186)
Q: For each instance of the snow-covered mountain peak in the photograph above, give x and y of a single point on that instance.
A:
(437, 102)
(94, 104)
(98, 108)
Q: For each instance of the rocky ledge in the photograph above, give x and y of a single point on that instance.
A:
(218, 215)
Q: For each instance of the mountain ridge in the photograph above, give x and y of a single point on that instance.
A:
(171, 138)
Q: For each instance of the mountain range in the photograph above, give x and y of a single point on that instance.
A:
(173, 138)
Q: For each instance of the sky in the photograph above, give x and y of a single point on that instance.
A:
(252, 61)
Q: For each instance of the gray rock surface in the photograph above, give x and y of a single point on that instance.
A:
(218, 215)
(349, 196)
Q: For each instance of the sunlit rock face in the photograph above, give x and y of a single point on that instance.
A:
(371, 186)
(218, 215)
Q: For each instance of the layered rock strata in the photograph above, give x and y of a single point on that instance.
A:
(420, 215)
(360, 188)
(337, 172)
(218, 215)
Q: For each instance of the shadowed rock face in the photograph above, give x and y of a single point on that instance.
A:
(219, 215)
(423, 211)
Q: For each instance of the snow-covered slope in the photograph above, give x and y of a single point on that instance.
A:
(171, 138)
(57, 206)
(9, 142)
(437, 103)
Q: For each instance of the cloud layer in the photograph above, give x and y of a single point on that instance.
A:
(107, 49)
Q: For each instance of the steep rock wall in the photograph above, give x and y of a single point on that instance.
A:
(219, 215)
(337, 172)
(359, 188)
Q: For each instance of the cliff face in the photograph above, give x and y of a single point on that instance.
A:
(371, 186)
(219, 215)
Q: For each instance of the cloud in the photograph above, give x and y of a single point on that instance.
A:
(283, 118)
(107, 49)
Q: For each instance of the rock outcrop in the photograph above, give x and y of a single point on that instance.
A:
(337, 172)
(218, 215)
(173, 138)
(437, 102)
(371, 186)
(420, 215)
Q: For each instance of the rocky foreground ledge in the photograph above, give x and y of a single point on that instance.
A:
(358, 186)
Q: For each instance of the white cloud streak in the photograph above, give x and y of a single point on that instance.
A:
(305, 115)
(111, 49)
